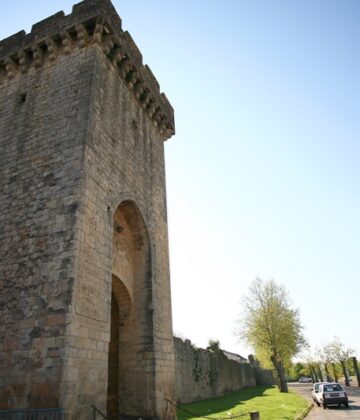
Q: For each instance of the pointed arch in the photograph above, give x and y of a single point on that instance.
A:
(131, 360)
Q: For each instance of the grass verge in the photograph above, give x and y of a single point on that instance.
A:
(305, 412)
(271, 404)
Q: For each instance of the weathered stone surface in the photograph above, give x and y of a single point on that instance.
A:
(82, 219)
(203, 374)
(91, 22)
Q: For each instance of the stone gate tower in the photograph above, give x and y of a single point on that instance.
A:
(85, 312)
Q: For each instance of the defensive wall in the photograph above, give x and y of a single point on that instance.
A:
(203, 373)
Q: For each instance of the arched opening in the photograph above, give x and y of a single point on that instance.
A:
(120, 309)
(131, 361)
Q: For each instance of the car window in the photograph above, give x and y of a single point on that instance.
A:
(331, 388)
(316, 387)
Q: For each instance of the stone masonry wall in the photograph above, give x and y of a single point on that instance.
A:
(202, 374)
(43, 119)
(82, 125)
(124, 161)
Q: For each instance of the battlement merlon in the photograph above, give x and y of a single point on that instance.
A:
(90, 22)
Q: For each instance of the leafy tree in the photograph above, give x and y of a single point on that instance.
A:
(296, 371)
(335, 371)
(214, 345)
(319, 371)
(271, 327)
(350, 366)
(311, 364)
(338, 353)
(316, 362)
(326, 361)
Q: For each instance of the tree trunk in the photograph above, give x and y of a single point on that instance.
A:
(356, 369)
(320, 373)
(334, 372)
(280, 373)
(314, 374)
(326, 367)
(346, 377)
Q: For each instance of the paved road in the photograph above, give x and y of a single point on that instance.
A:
(334, 412)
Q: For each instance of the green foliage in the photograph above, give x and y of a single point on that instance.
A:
(335, 370)
(271, 404)
(296, 371)
(197, 368)
(335, 351)
(213, 372)
(214, 349)
(339, 355)
(214, 345)
(350, 367)
(270, 325)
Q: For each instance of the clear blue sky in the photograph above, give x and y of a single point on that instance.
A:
(263, 173)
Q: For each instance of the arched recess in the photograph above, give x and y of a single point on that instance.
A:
(131, 380)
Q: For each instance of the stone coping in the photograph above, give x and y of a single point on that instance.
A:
(91, 22)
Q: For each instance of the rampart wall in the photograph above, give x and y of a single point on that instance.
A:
(202, 374)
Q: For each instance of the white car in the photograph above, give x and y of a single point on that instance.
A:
(315, 390)
(331, 394)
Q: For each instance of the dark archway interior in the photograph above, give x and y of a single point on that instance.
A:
(113, 362)
(130, 363)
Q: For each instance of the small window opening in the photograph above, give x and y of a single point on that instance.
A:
(90, 27)
(72, 33)
(43, 48)
(29, 54)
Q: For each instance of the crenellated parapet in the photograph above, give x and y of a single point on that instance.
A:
(92, 22)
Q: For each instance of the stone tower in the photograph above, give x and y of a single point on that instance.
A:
(85, 310)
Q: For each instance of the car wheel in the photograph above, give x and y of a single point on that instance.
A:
(317, 403)
(324, 406)
(346, 405)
